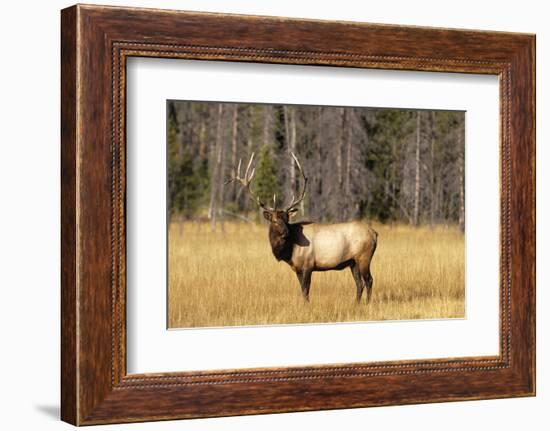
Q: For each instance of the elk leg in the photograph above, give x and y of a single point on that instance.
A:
(368, 282)
(300, 276)
(358, 281)
(305, 282)
(364, 269)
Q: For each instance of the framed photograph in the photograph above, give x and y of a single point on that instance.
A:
(264, 215)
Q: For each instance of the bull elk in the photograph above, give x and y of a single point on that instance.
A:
(308, 247)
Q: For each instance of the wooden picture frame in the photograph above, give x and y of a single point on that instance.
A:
(95, 43)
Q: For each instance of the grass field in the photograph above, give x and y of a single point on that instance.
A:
(232, 278)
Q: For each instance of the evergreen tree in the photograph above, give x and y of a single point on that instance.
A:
(389, 129)
(173, 160)
(187, 184)
(201, 173)
(265, 183)
(184, 184)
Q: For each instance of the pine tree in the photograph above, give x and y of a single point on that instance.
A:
(388, 130)
(265, 183)
(187, 193)
(173, 161)
(188, 183)
(203, 181)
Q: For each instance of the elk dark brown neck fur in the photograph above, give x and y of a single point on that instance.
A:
(282, 244)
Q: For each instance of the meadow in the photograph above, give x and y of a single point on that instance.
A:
(231, 278)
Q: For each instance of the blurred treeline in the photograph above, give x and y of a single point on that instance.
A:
(390, 165)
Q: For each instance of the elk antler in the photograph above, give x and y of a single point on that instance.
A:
(295, 202)
(247, 180)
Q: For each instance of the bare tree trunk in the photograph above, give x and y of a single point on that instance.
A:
(319, 190)
(234, 150)
(417, 171)
(461, 221)
(292, 144)
(266, 137)
(461, 161)
(339, 198)
(249, 149)
(433, 192)
(202, 142)
(347, 181)
(340, 148)
(221, 173)
(267, 120)
(217, 176)
(290, 134)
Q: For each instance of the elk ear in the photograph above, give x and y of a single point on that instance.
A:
(267, 215)
(292, 211)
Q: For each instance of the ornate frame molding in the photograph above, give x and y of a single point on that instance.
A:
(96, 41)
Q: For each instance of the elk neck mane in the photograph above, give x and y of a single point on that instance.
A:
(282, 247)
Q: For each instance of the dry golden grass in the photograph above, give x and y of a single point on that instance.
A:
(232, 279)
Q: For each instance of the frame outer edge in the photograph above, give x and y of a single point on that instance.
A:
(530, 63)
(69, 201)
(532, 84)
(87, 397)
(533, 54)
(523, 207)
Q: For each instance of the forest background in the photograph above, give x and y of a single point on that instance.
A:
(384, 165)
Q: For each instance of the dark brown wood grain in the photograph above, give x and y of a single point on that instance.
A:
(68, 217)
(96, 41)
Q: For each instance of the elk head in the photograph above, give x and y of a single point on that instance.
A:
(278, 218)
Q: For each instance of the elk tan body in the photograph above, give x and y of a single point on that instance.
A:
(309, 247)
(331, 245)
